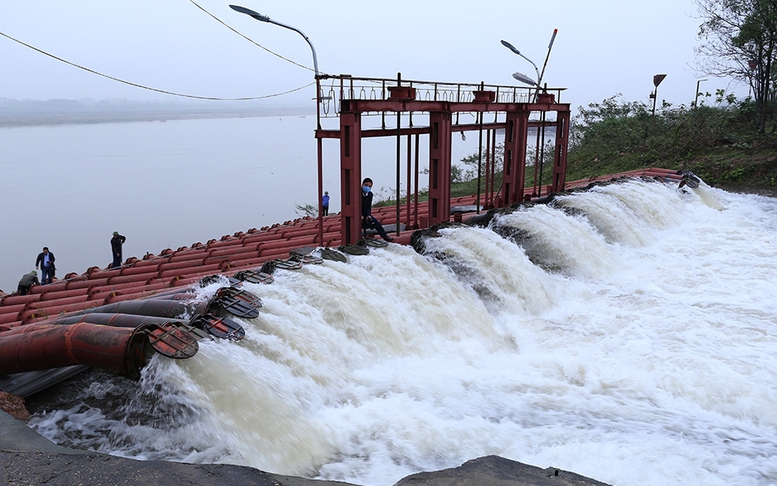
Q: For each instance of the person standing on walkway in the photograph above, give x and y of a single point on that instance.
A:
(116, 243)
(325, 203)
(368, 220)
(27, 282)
(45, 262)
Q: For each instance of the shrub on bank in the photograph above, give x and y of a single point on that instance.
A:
(719, 143)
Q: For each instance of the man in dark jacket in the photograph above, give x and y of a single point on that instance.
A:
(368, 220)
(45, 262)
(27, 282)
(116, 243)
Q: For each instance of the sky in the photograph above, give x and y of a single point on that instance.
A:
(603, 47)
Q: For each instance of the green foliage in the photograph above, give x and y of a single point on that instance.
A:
(740, 41)
(617, 135)
(718, 142)
(457, 174)
(471, 164)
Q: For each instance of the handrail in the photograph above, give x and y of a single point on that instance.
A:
(347, 87)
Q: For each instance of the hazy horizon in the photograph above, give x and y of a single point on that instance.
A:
(144, 49)
(17, 113)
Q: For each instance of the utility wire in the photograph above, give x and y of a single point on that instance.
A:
(147, 87)
(251, 40)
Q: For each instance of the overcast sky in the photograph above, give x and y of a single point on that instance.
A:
(603, 47)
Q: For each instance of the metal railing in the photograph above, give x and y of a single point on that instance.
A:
(334, 89)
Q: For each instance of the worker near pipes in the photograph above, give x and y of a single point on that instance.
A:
(27, 282)
(116, 243)
(45, 261)
(368, 220)
(325, 204)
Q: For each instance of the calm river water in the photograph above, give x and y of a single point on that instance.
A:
(161, 184)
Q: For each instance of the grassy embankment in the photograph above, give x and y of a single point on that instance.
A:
(718, 143)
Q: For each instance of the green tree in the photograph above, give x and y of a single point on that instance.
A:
(614, 125)
(471, 163)
(740, 40)
(617, 135)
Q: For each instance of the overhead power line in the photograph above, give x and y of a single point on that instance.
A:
(136, 85)
(251, 40)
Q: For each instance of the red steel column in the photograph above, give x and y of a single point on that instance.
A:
(350, 176)
(516, 133)
(439, 167)
(560, 154)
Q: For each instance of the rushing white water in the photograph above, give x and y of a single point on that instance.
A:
(629, 334)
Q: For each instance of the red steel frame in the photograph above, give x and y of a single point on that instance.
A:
(402, 99)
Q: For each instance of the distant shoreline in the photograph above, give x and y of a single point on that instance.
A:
(66, 112)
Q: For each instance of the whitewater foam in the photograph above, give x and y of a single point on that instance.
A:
(629, 336)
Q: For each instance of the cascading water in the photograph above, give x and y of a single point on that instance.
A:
(628, 333)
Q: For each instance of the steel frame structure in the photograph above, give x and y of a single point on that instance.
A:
(354, 98)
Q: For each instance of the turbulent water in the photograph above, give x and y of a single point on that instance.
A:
(627, 333)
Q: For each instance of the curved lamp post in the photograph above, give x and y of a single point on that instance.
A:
(522, 77)
(265, 18)
(656, 81)
(526, 79)
(696, 99)
(539, 153)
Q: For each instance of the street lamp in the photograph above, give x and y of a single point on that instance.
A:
(522, 77)
(264, 18)
(656, 81)
(525, 79)
(696, 100)
(539, 153)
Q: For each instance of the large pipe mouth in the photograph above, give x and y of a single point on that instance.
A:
(168, 339)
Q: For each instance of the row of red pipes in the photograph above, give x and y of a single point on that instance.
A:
(139, 278)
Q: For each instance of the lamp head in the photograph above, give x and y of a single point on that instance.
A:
(248, 11)
(524, 79)
(511, 47)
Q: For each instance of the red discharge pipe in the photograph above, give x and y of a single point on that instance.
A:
(117, 349)
(154, 307)
(219, 327)
(115, 320)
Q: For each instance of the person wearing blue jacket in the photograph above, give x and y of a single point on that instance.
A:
(325, 204)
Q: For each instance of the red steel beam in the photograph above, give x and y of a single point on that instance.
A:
(350, 176)
(439, 167)
(560, 154)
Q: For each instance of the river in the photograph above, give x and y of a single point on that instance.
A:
(163, 184)
(627, 333)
